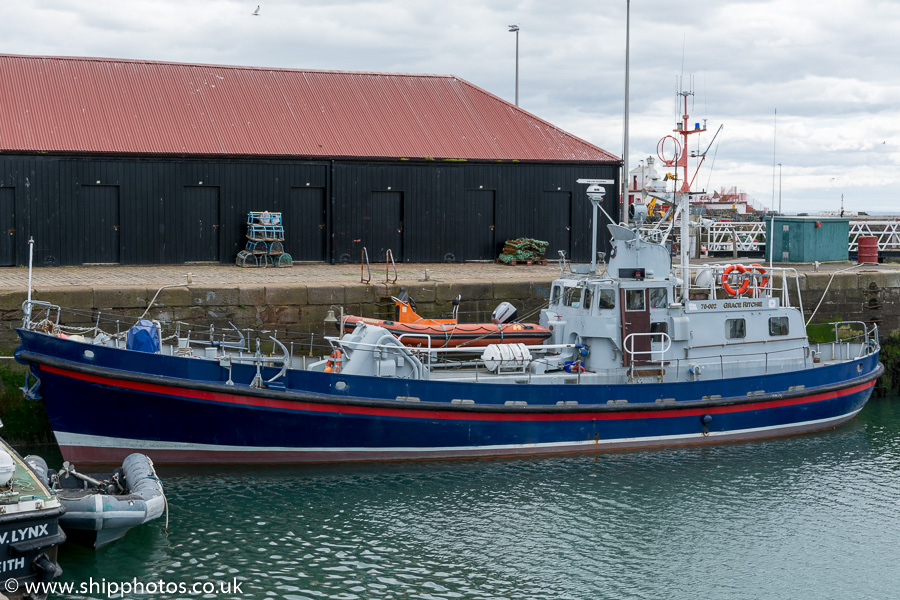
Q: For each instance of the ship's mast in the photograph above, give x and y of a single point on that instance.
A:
(683, 194)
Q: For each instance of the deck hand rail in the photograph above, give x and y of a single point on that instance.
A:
(868, 336)
(29, 305)
(628, 345)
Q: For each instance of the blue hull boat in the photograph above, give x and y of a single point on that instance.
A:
(105, 403)
(640, 355)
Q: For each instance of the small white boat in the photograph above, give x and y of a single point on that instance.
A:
(30, 533)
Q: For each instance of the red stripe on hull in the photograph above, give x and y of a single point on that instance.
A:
(412, 413)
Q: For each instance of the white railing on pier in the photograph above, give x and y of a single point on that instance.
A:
(750, 236)
(887, 232)
(722, 236)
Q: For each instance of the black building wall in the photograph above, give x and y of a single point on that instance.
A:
(169, 211)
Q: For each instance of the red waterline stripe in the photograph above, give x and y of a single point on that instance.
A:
(297, 405)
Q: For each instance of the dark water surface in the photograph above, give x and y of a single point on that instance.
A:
(812, 516)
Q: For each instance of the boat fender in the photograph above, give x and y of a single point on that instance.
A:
(745, 284)
(333, 364)
(706, 420)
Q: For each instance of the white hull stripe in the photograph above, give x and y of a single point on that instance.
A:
(95, 441)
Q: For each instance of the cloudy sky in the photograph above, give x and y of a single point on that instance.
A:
(831, 70)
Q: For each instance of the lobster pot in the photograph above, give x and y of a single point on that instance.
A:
(284, 260)
(867, 250)
(257, 246)
(265, 241)
(246, 259)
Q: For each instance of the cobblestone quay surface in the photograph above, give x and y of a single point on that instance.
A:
(296, 300)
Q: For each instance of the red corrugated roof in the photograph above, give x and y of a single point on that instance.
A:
(98, 105)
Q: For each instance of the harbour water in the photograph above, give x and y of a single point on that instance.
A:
(812, 516)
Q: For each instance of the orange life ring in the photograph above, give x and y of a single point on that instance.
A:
(759, 268)
(744, 286)
(333, 364)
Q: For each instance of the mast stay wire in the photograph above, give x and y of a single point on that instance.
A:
(711, 166)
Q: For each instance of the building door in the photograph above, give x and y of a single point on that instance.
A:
(554, 222)
(635, 310)
(305, 227)
(7, 226)
(383, 226)
(99, 209)
(480, 242)
(200, 223)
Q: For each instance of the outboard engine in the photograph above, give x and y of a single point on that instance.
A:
(405, 298)
(504, 313)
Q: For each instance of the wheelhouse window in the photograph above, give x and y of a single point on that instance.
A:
(735, 329)
(634, 300)
(572, 297)
(606, 299)
(588, 298)
(778, 325)
(657, 297)
(555, 294)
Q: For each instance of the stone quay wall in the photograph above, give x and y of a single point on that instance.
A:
(293, 309)
(298, 309)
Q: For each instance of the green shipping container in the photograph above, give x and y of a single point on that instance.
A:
(807, 239)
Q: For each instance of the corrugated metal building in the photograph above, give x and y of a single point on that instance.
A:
(136, 162)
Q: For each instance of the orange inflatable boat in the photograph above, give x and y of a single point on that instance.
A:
(413, 330)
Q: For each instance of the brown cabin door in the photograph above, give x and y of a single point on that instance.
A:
(635, 309)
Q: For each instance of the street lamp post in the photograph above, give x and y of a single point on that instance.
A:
(515, 29)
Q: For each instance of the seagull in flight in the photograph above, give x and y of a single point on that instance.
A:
(256, 12)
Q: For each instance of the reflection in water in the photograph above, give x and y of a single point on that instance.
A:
(804, 517)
